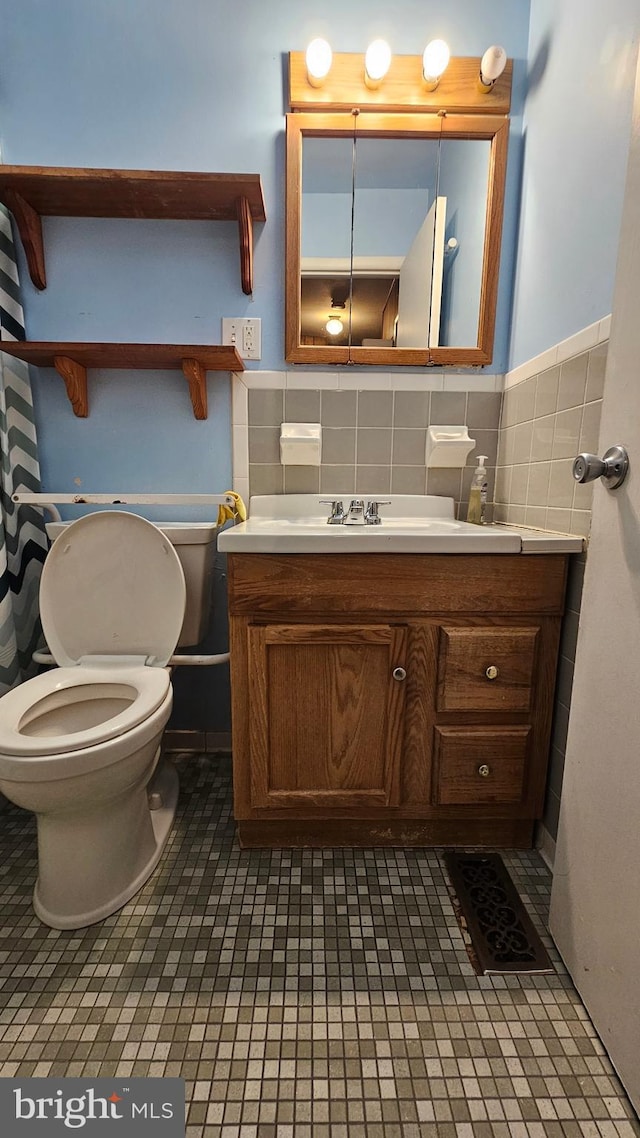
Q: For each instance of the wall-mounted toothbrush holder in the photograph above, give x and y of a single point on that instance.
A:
(448, 446)
(300, 444)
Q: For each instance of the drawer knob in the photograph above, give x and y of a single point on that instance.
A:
(484, 771)
(492, 672)
(399, 674)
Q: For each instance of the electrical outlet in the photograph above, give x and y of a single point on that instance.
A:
(251, 348)
(244, 333)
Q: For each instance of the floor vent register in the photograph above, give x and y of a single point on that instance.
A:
(491, 914)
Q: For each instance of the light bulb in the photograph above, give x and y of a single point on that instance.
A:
(318, 60)
(492, 65)
(334, 326)
(434, 62)
(376, 63)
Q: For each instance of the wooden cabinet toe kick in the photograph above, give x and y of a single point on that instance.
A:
(301, 833)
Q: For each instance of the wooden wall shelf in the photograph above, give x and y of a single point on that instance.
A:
(72, 360)
(31, 192)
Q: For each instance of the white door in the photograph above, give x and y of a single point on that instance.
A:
(595, 901)
(420, 284)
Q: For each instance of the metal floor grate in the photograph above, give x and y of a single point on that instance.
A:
(503, 938)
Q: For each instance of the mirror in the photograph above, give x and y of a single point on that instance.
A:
(393, 238)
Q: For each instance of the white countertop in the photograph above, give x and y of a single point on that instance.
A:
(545, 541)
(297, 523)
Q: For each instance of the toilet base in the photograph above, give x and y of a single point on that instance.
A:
(165, 784)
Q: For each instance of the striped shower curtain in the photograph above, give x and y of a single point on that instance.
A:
(23, 542)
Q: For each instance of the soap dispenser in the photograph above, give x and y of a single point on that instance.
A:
(478, 493)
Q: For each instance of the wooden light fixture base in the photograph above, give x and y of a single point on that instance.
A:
(402, 90)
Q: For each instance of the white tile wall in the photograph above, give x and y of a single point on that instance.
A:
(357, 380)
(548, 417)
(550, 412)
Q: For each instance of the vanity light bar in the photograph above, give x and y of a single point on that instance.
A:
(322, 80)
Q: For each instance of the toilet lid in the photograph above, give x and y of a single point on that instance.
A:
(112, 585)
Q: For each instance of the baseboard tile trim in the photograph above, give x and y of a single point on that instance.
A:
(184, 741)
(196, 742)
(218, 741)
(546, 846)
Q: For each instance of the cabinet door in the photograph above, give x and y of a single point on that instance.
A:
(326, 722)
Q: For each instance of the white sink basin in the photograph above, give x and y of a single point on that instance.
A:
(297, 523)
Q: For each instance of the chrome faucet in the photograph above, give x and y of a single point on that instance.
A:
(355, 513)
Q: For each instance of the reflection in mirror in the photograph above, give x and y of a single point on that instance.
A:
(412, 277)
(463, 183)
(393, 235)
(327, 189)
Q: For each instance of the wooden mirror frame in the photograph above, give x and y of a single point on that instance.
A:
(371, 125)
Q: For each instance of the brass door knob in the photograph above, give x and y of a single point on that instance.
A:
(484, 771)
(492, 672)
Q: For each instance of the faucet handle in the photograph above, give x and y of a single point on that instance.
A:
(336, 516)
(372, 517)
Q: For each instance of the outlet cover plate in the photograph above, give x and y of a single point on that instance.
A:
(244, 333)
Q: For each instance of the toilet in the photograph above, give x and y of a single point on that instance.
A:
(80, 744)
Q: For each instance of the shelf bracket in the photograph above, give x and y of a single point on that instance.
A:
(245, 228)
(196, 376)
(75, 381)
(29, 225)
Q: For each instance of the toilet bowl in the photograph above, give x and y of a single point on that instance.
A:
(80, 744)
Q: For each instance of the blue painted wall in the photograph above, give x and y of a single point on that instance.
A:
(577, 122)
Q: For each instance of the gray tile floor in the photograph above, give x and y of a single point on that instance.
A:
(301, 994)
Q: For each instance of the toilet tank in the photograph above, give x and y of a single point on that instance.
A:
(195, 544)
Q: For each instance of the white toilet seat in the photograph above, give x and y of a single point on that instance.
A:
(112, 626)
(112, 585)
(129, 697)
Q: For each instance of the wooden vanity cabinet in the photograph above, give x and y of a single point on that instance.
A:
(392, 699)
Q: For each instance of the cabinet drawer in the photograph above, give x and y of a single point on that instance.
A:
(486, 669)
(479, 764)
